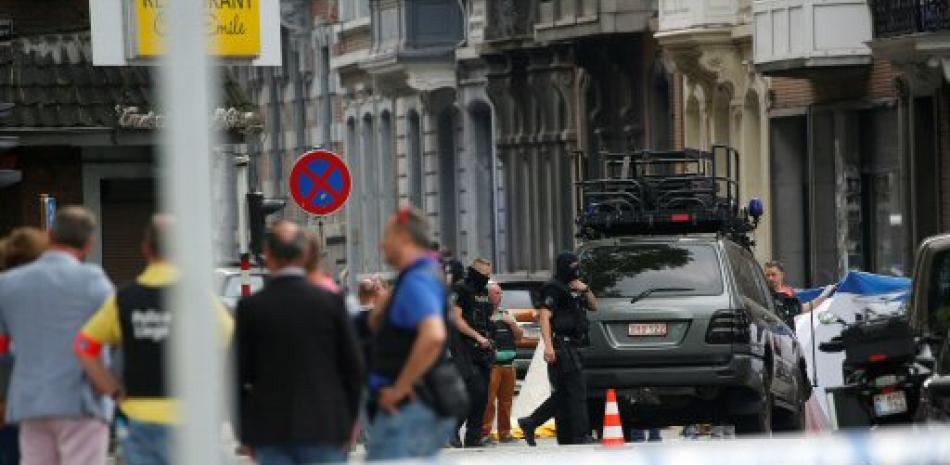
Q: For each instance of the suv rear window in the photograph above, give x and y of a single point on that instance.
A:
(517, 299)
(628, 270)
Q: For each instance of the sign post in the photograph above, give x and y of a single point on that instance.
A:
(47, 211)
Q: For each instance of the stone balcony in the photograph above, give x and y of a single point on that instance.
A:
(568, 19)
(798, 37)
(513, 22)
(683, 15)
(414, 42)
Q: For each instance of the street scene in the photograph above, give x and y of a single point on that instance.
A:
(474, 232)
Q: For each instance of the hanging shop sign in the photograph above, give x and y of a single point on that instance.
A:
(233, 27)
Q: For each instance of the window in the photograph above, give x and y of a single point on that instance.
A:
(517, 299)
(749, 279)
(415, 160)
(353, 9)
(938, 300)
(628, 270)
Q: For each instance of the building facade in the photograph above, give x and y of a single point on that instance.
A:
(476, 118)
(299, 105)
(416, 132)
(843, 182)
(912, 36)
(483, 119)
(709, 45)
(567, 79)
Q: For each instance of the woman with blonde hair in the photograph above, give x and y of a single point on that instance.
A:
(20, 247)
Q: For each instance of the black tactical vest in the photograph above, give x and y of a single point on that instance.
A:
(504, 338)
(476, 308)
(569, 318)
(392, 344)
(145, 323)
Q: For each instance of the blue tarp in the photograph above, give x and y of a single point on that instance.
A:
(861, 283)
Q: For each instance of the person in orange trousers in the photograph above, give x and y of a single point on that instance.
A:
(502, 385)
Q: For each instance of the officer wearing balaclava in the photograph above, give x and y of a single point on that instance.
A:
(473, 352)
(565, 300)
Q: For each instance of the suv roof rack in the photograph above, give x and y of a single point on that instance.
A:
(651, 192)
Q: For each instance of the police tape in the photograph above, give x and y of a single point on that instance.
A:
(904, 446)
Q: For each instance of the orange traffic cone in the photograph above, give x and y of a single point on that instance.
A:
(613, 428)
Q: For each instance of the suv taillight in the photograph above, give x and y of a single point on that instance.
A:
(728, 327)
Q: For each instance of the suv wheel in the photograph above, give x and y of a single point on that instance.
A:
(761, 421)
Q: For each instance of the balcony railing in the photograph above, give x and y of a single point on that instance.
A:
(510, 19)
(894, 18)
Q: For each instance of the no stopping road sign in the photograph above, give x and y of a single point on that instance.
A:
(320, 182)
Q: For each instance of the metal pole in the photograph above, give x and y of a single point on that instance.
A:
(186, 84)
(813, 244)
(241, 163)
(44, 214)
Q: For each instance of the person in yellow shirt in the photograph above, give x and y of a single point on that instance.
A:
(137, 319)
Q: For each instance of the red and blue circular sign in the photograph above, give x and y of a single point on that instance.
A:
(320, 182)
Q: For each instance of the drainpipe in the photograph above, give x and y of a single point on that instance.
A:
(465, 24)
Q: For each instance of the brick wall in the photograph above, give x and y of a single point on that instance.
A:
(354, 42)
(874, 83)
(327, 9)
(48, 170)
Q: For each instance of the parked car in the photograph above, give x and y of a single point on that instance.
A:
(929, 317)
(521, 297)
(687, 332)
(228, 283)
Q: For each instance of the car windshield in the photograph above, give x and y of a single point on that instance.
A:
(517, 299)
(232, 285)
(630, 270)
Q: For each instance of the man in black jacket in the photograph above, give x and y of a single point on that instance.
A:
(565, 301)
(299, 364)
(473, 350)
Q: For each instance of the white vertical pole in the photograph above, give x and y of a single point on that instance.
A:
(241, 162)
(186, 193)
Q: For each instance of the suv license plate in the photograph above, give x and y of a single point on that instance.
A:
(890, 403)
(647, 329)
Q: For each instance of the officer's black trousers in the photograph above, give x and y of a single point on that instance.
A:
(477, 379)
(568, 401)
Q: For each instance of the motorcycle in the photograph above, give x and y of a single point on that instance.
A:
(881, 367)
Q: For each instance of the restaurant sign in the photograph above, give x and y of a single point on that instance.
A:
(233, 27)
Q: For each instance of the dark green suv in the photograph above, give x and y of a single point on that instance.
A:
(687, 332)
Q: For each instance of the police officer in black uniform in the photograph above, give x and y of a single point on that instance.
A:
(564, 326)
(473, 350)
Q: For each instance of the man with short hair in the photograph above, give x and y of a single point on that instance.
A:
(501, 388)
(299, 365)
(473, 350)
(42, 307)
(137, 320)
(410, 340)
(786, 300)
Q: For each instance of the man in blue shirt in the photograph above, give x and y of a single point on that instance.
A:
(410, 339)
(63, 421)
